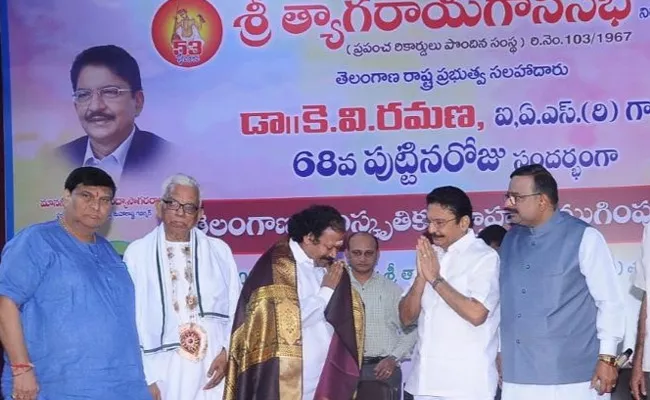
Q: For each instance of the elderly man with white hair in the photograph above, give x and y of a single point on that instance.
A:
(186, 291)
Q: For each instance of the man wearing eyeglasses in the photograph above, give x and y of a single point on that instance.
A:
(561, 305)
(455, 301)
(186, 291)
(108, 97)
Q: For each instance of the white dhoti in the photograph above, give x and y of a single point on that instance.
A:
(161, 308)
(572, 391)
(181, 379)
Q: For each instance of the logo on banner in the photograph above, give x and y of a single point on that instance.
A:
(187, 33)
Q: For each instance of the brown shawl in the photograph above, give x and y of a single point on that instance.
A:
(265, 357)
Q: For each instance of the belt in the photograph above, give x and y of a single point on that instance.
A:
(373, 360)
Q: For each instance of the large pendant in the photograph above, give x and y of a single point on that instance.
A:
(194, 342)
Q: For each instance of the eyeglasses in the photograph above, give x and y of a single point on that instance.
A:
(440, 223)
(188, 208)
(106, 93)
(517, 198)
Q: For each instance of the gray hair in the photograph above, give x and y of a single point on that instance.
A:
(180, 180)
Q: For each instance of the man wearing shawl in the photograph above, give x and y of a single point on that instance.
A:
(186, 290)
(298, 330)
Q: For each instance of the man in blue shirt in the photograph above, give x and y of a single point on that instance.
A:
(67, 312)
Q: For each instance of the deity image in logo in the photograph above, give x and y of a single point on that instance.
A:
(187, 33)
(186, 28)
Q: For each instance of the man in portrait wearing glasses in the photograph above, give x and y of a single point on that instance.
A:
(186, 291)
(455, 300)
(67, 305)
(561, 305)
(108, 97)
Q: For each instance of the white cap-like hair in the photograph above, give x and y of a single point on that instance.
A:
(180, 180)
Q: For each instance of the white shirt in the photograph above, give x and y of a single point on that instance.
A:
(454, 358)
(316, 331)
(112, 164)
(597, 266)
(639, 281)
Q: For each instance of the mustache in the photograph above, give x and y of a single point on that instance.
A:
(329, 260)
(98, 114)
(511, 210)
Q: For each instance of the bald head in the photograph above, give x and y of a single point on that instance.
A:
(362, 252)
(363, 236)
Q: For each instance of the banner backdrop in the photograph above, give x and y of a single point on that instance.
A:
(365, 105)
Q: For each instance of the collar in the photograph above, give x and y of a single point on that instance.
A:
(119, 154)
(374, 276)
(298, 253)
(546, 226)
(460, 244)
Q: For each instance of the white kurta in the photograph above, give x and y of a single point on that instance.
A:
(176, 377)
(454, 359)
(183, 379)
(316, 331)
(597, 265)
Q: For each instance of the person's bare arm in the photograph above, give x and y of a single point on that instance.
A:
(24, 382)
(411, 304)
(640, 335)
(637, 379)
(11, 332)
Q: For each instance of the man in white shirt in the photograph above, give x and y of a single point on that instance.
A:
(562, 311)
(298, 330)
(455, 300)
(641, 363)
(186, 291)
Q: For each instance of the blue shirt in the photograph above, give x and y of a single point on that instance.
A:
(77, 308)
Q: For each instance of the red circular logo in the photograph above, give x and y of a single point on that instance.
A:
(187, 33)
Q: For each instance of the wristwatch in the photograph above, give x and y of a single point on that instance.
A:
(607, 359)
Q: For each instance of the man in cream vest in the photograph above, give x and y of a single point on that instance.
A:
(186, 291)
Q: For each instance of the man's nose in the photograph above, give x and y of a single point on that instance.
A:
(96, 101)
(180, 212)
(94, 204)
(332, 253)
(431, 229)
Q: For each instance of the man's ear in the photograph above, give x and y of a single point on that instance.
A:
(67, 197)
(159, 210)
(139, 102)
(465, 222)
(310, 238)
(199, 215)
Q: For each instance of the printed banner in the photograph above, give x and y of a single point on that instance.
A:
(365, 105)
